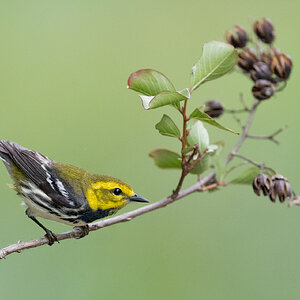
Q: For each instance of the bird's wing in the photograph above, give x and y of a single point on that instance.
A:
(37, 168)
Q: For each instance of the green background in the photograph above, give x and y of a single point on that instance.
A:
(63, 73)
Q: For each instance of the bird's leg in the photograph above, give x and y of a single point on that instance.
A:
(83, 231)
(49, 234)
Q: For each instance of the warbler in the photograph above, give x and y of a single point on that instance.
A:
(62, 192)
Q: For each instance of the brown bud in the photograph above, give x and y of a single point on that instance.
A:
(281, 188)
(263, 89)
(246, 59)
(281, 65)
(264, 30)
(260, 71)
(214, 108)
(237, 37)
(262, 183)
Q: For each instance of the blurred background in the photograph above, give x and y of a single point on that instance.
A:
(63, 74)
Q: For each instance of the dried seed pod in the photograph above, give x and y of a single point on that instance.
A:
(281, 188)
(262, 183)
(214, 108)
(260, 71)
(264, 30)
(281, 65)
(237, 37)
(246, 59)
(263, 89)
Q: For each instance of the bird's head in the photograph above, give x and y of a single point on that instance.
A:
(110, 193)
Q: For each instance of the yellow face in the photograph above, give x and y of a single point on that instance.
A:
(108, 194)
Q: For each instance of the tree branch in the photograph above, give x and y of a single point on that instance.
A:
(200, 186)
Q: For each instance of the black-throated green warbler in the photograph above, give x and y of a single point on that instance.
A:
(62, 192)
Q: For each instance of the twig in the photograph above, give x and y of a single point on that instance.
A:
(126, 217)
(252, 162)
(238, 121)
(270, 137)
(184, 163)
(295, 201)
(245, 131)
(236, 111)
(282, 87)
(243, 102)
(261, 166)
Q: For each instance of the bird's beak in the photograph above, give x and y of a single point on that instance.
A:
(137, 198)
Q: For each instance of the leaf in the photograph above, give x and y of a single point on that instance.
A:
(201, 166)
(217, 59)
(210, 159)
(166, 159)
(202, 116)
(198, 135)
(247, 176)
(149, 82)
(164, 98)
(166, 126)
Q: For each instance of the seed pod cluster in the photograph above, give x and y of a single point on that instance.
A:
(267, 67)
(275, 187)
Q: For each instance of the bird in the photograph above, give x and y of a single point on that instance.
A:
(62, 192)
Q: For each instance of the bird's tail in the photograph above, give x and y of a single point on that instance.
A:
(4, 152)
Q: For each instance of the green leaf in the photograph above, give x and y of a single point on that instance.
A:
(202, 165)
(209, 159)
(149, 82)
(217, 59)
(164, 98)
(199, 115)
(198, 135)
(166, 159)
(166, 126)
(247, 176)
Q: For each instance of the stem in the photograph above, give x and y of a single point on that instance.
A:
(184, 133)
(184, 170)
(236, 111)
(262, 167)
(270, 137)
(244, 133)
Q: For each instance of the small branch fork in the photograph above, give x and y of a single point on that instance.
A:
(270, 137)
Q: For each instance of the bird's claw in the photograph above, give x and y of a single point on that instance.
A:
(82, 231)
(52, 238)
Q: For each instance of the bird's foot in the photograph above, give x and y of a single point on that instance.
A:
(52, 238)
(82, 231)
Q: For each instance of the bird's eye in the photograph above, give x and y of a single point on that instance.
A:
(117, 191)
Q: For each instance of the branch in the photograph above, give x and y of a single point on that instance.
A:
(244, 133)
(262, 167)
(270, 137)
(200, 186)
(241, 110)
